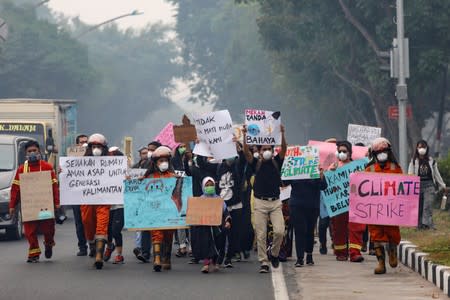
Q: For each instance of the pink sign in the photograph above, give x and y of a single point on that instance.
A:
(384, 199)
(166, 137)
(327, 153)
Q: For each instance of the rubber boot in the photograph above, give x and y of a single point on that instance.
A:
(380, 253)
(167, 253)
(157, 257)
(100, 249)
(393, 261)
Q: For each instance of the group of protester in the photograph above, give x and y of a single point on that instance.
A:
(250, 185)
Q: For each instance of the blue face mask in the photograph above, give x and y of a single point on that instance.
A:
(33, 157)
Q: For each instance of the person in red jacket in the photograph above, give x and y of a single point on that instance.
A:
(162, 239)
(383, 161)
(47, 227)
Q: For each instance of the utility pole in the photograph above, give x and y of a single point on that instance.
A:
(402, 89)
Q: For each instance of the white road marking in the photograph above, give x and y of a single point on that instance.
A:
(279, 284)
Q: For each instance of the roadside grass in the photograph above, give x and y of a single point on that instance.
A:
(435, 242)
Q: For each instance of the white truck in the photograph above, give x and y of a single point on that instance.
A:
(52, 123)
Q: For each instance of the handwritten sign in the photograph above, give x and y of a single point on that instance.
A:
(36, 196)
(336, 195)
(285, 192)
(204, 211)
(75, 151)
(300, 162)
(156, 203)
(263, 127)
(327, 153)
(362, 134)
(135, 173)
(384, 199)
(215, 133)
(92, 180)
(166, 136)
(186, 132)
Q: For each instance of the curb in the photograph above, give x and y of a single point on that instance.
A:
(413, 258)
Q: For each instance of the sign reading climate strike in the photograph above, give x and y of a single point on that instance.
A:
(301, 162)
(263, 127)
(92, 180)
(384, 199)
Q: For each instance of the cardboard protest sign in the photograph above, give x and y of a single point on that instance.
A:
(135, 173)
(327, 153)
(384, 199)
(92, 180)
(263, 127)
(184, 133)
(300, 162)
(156, 203)
(166, 136)
(215, 133)
(336, 195)
(204, 211)
(36, 196)
(362, 134)
(75, 151)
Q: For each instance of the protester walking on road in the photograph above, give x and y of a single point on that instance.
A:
(267, 204)
(384, 161)
(32, 228)
(423, 165)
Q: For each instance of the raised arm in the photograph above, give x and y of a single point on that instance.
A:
(282, 153)
(247, 153)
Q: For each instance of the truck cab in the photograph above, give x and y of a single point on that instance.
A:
(12, 155)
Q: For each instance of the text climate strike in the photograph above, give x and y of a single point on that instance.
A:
(384, 199)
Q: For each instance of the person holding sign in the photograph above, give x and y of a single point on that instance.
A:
(347, 236)
(47, 226)
(267, 205)
(162, 239)
(383, 161)
(96, 217)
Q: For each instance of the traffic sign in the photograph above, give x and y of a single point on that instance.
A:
(393, 112)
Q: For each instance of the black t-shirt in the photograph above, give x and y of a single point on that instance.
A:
(268, 177)
(425, 170)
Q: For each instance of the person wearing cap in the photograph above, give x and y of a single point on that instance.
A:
(144, 160)
(96, 217)
(161, 239)
(34, 163)
(347, 236)
(383, 161)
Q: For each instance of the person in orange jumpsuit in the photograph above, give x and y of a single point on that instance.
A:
(347, 236)
(47, 227)
(96, 217)
(162, 239)
(384, 161)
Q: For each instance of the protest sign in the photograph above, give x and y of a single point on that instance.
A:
(327, 153)
(156, 203)
(184, 133)
(135, 173)
(362, 134)
(166, 137)
(263, 127)
(75, 151)
(384, 199)
(300, 162)
(92, 180)
(36, 196)
(204, 211)
(285, 192)
(336, 195)
(215, 133)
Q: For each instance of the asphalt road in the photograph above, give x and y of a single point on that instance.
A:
(67, 276)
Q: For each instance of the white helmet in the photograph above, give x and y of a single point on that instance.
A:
(98, 139)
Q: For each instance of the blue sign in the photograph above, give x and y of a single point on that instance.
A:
(336, 196)
(156, 203)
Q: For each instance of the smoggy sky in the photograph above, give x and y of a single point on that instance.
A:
(97, 11)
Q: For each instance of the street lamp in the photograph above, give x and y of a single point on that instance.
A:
(133, 13)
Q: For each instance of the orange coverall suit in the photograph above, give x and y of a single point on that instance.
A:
(347, 236)
(385, 233)
(95, 222)
(47, 227)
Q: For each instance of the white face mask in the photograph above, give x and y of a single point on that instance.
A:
(382, 157)
(149, 154)
(256, 155)
(97, 152)
(342, 156)
(267, 154)
(422, 151)
(164, 166)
